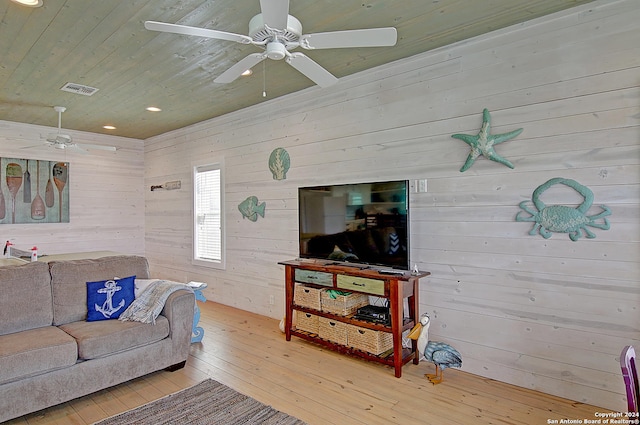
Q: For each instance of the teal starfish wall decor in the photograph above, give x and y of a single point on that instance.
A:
(484, 141)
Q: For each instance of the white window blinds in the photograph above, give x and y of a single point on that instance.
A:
(208, 214)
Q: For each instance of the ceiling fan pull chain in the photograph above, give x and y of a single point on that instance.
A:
(264, 79)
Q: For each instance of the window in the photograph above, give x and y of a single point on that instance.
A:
(208, 216)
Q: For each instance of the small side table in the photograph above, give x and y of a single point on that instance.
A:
(197, 332)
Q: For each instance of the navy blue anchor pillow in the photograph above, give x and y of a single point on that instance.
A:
(107, 299)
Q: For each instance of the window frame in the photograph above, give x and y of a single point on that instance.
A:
(200, 261)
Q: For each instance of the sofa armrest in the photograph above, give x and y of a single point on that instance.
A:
(179, 310)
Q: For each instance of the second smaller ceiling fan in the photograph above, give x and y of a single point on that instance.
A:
(60, 140)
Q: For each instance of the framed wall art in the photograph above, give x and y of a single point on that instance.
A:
(33, 191)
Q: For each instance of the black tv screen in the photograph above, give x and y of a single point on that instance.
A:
(364, 223)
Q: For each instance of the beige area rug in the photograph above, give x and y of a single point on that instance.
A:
(206, 403)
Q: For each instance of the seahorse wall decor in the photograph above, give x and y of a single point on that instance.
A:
(279, 163)
(562, 218)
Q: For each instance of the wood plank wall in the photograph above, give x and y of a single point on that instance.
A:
(106, 200)
(548, 314)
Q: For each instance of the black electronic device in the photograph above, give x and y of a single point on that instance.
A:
(374, 313)
(362, 223)
(391, 272)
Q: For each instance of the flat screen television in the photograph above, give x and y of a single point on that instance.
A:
(363, 223)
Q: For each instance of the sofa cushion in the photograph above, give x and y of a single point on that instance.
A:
(25, 297)
(107, 299)
(35, 351)
(102, 338)
(69, 279)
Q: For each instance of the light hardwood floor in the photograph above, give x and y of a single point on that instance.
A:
(248, 353)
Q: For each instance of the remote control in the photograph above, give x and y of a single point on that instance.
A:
(394, 272)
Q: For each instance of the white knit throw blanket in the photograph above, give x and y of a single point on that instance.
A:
(151, 301)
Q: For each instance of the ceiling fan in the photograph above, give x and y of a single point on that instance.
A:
(64, 141)
(277, 32)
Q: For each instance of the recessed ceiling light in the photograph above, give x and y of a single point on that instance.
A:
(247, 73)
(153, 109)
(29, 3)
(108, 127)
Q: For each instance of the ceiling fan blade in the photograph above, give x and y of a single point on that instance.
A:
(199, 32)
(311, 69)
(95, 147)
(373, 37)
(77, 149)
(39, 145)
(275, 13)
(234, 72)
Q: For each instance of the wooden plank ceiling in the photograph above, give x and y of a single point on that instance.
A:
(103, 44)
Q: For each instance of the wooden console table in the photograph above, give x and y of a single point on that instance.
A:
(359, 279)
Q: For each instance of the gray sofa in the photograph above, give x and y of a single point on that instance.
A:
(50, 354)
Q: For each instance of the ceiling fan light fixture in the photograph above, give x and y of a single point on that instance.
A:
(276, 50)
(29, 3)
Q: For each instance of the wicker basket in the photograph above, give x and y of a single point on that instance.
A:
(307, 296)
(344, 305)
(307, 322)
(332, 330)
(374, 342)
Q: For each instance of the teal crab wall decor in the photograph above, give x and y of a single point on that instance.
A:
(562, 218)
(483, 143)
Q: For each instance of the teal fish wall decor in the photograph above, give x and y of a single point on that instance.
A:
(562, 218)
(483, 143)
(279, 163)
(250, 208)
